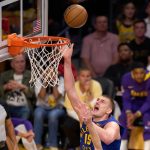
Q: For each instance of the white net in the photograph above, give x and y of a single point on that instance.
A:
(44, 64)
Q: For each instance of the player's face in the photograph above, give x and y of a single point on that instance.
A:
(18, 64)
(139, 74)
(101, 24)
(102, 107)
(84, 76)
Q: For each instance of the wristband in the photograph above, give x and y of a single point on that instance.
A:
(128, 111)
(138, 114)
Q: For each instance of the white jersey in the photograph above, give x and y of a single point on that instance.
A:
(3, 115)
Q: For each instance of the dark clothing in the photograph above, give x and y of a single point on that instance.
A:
(86, 142)
(107, 86)
(17, 100)
(7, 76)
(6, 109)
(141, 51)
(71, 129)
(3, 146)
(115, 73)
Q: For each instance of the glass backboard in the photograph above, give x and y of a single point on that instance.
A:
(24, 17)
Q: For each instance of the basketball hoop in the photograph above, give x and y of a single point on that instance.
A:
(44, 55)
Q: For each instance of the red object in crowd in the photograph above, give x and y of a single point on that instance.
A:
(61, 70)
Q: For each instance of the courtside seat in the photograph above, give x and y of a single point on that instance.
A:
(136, 141)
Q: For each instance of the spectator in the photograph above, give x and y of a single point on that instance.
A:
(87, 89)
(124, 65)
(148, 63)
(6, 129)
(136, 100)
(48, 108)
(24, 131)
(15, 88)
(147, 19)
(99, 49)
(140, 45)
(124, 22)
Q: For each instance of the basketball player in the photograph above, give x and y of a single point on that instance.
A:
(136, 103)
(104, 126)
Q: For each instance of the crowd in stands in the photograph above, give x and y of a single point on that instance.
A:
(113, 63)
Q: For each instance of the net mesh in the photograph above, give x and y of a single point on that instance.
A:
(44, 64)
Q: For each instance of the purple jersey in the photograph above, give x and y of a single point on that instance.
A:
(136, 96)
(19, 121)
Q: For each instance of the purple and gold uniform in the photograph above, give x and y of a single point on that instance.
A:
(85, 137)
(136, 97)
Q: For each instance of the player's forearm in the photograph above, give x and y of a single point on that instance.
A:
(94, 136)
(126, 100)
(107, 135)
(70, 85)
(68, 76)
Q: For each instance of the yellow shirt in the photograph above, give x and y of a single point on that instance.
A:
(126, 33)
(96, 91)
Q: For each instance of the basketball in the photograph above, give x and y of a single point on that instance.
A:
(75, 16)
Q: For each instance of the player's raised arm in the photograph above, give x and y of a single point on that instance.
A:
(70, 83)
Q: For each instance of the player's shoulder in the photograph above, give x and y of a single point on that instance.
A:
(112, 122)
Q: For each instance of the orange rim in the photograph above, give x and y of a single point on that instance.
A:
(29, 41)
(16, 44)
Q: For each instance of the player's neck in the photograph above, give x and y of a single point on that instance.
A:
(102, 118)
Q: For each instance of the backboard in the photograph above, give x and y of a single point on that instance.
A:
(24, 17)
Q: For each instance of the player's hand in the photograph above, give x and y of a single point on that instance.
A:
(130, 120)
(86, 114)
(67, 51)
(137, 114)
